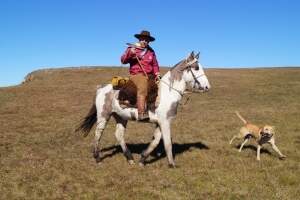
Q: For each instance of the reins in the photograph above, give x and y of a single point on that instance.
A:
(170, 86)
(195, 79)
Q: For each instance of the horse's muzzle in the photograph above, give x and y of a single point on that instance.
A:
(206, 89)
(201, 89)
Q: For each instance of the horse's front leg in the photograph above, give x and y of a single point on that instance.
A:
(119, 133)
(101, 123)
(152, 145)
(166, 135)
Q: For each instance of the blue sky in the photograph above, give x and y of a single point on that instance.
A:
(36, 34)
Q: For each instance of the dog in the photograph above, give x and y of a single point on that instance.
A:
(261, 135)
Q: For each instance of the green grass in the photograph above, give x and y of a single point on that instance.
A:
(42, 158)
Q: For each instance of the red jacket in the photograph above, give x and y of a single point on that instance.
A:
(147, 58)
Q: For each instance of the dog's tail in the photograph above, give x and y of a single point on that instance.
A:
(243, 120)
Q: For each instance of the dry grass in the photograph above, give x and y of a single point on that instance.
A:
(42, 158)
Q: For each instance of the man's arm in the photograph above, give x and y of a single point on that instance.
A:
(128, 55)
(155, 66)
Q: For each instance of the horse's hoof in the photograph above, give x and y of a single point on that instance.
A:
(98, 163)
(282, 157)
(173, 166)
(98, 159)
(142, 159)
(95, 155)
(131, 162)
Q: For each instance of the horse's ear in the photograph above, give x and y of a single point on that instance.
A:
(197, 55)
(192, 54)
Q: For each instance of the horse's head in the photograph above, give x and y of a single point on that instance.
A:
(193, 73)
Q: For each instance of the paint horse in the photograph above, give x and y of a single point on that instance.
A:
(188, 72)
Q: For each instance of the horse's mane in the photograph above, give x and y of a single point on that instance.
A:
(177, 71)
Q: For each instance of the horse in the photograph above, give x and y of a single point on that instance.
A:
(172, 86)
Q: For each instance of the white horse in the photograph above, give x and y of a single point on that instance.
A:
(172, 87)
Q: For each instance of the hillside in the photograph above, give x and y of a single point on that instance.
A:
(42, 158)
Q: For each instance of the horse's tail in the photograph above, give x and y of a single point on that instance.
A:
(241, 118)
(88, 122)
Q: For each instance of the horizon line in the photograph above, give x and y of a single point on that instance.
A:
(122, 66)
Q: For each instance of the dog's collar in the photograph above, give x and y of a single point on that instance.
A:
(264, 134)
(265, 137)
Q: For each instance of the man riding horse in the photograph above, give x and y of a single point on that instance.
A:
(144, 69)
(143, 66)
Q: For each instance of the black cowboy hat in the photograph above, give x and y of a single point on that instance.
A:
(145, 34)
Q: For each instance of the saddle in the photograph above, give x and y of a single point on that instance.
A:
(128, 93)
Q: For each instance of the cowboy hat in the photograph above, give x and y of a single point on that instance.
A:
(145, 34)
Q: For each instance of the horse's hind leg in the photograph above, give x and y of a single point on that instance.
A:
(119, 133)
(101, 123)
(152, 145)
(104, 99)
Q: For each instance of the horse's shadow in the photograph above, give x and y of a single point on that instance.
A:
(297, 141)
(254, 148)
(157, 153)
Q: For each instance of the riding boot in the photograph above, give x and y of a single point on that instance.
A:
(142, 115)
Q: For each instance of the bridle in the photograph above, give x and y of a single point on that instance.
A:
(196, 82)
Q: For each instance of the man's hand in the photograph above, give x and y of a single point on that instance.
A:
(132, 51)
(157, 77)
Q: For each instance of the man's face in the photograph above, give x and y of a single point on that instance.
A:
(144, 41)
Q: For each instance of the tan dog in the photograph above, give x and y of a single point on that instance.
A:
(261, 135)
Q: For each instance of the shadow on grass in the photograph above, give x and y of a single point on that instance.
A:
(157, 153)
(254, 148)
(297, 140)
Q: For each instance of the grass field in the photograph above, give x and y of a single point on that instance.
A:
(42, 157)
